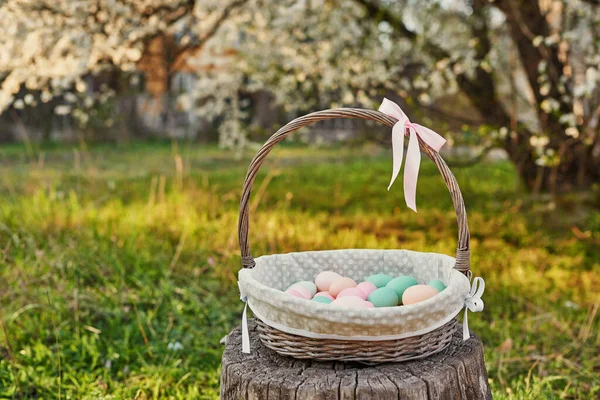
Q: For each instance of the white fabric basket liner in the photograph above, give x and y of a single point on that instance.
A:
(264, 285)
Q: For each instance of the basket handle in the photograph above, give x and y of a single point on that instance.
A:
(463, 255)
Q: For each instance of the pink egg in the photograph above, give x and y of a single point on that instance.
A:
(324, 294)
(418, 293)
(294, 293)
(352, 292)
(367, 288)
(369, 304)
(340, 284)
(300, 287)
(351, 302)
(325, 279)
(302, 290)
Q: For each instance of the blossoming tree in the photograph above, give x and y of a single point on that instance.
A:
(529, 68)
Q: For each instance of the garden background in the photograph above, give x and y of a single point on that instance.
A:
(127, 128)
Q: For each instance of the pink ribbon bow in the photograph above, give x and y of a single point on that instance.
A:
(413, 153)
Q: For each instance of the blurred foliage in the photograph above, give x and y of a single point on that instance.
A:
(118, 267)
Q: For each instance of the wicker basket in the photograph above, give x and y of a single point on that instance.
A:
(294, 328)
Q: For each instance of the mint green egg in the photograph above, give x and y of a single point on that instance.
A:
(322, 299)
(436, 283)
(384, 297)
(309, 285)
(401, 283)
(379, 280)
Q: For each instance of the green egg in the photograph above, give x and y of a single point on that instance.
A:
(379, 280)
(401, 283)
(309, 285)
(436, 283)
(384, 297)
(322, 299)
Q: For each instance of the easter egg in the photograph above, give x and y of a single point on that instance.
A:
(401, 283)
(384, 297)
(312, 288)
(295, 293)
(325, 279)
(340, 284)
(369, 304)
(350, 302)
(379, 280)
(418, 293)
(324, 294)
(366, 287)
(436, 283)
(302, 290)
(322, 299)
(352, 292)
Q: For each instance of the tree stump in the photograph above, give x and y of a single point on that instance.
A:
(458, 372)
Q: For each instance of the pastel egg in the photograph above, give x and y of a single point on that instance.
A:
(352, 292)
(369, 304)
(322, 299)
(325, 279)
(366, 287)
(324, 294)
(436, 283)
(350, 302)
(384, 297)
(302, 290)
(418, 293)
(312, 288)
(401, 283)
(379, 280)
(295, 293)
(340, 284)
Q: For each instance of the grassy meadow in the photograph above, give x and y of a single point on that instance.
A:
(118, 263)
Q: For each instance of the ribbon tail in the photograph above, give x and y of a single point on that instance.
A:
(411, 170)
(397, 150)
(466, 334)
(245, 332)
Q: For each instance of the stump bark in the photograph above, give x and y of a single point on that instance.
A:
(458, 372)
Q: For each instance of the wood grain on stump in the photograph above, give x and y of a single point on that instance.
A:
(458, 372)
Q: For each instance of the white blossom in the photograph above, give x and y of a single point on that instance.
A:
(550, 105)
(62, 109)
(539, 141)
(573, 132)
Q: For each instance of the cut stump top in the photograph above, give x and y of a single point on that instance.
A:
(458, 372)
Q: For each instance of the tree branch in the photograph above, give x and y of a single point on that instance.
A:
(526, 21)
(182, 53)
(376, 12)
(224, 15)
(481, 91)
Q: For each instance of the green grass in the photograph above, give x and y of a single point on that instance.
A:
(110, 255)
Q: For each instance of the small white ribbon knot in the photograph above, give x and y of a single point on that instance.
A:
(473, 303)
(413, 153)
(245, 332)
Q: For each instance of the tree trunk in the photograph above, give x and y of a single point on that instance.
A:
(458, 372)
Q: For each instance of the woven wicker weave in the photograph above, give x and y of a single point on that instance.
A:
(354, 350)
(370, 352)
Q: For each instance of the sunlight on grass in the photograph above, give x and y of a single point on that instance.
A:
(109, 260)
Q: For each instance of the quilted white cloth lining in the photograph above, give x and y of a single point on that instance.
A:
(263, 286)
